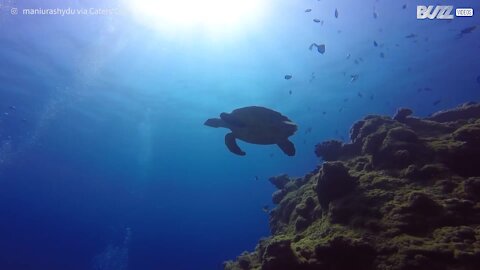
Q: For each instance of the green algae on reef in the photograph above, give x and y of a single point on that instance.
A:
(404, 194)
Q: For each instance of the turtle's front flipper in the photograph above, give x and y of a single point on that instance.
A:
(287, 147)
(232, 145)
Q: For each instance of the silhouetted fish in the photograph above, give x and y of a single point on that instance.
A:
(375, 43)
(465, 31)
(360, 95)
(371, 97)
(316, 20)
(309, 130)
(345, 99)
(265, 209)
(478, 79)
(375, 15)
(354, 77)
(404, 6)
(288, 77)
(427, 89)
(290, 92)
(308, 10)
(411, 36)
(468, 30)
(382, 55)
(256, 177)
(436, 102)
(336, 13)
(13, 108)
(324, 112)
(348, 56)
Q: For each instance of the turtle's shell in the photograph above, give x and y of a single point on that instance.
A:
(259, 125)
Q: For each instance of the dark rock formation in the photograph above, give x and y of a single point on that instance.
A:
(403, 195)
(402, 114)
(334, 181)
(279, 181)
(329, 150)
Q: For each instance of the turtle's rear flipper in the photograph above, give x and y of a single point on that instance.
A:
(232, 145)
(287, 147)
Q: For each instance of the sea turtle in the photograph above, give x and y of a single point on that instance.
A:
(257, 125)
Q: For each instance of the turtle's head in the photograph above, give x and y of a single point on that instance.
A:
(215, 122)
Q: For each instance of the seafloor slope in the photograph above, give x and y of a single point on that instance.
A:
(404, 194)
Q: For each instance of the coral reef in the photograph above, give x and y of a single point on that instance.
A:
(403, 195)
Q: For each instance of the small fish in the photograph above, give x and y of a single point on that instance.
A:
(356, 61)
(321, 22)
(360, 59)
(256, 178)
(375, 43)
(411, 36)
(24, 120)
(340, 110)
(5, 113)
(375, 15)
(265, 208)
(290, 92)
(271, 155)
(288, 77)
(308, 10)
(404, 6)
(354, 77)
(468, 30)
(360, 95)
(13, 108)
(436, 102)
(478, 79)
(316, 20)
(371, 97)
(348, 56)
(382, 55)
(345, 99)
(336, 13)
(427, 89)
(419, 90)
(309, 130)
(324, 112)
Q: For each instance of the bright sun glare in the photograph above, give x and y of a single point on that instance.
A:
(206, 15)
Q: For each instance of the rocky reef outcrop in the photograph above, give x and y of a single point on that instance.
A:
(403, 195)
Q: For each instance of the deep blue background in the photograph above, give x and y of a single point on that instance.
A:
(107, 131)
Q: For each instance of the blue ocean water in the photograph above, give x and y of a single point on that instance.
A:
(104, 159)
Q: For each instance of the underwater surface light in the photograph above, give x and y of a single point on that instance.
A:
(209, 15)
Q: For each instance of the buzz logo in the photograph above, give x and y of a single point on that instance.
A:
(434, 12)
